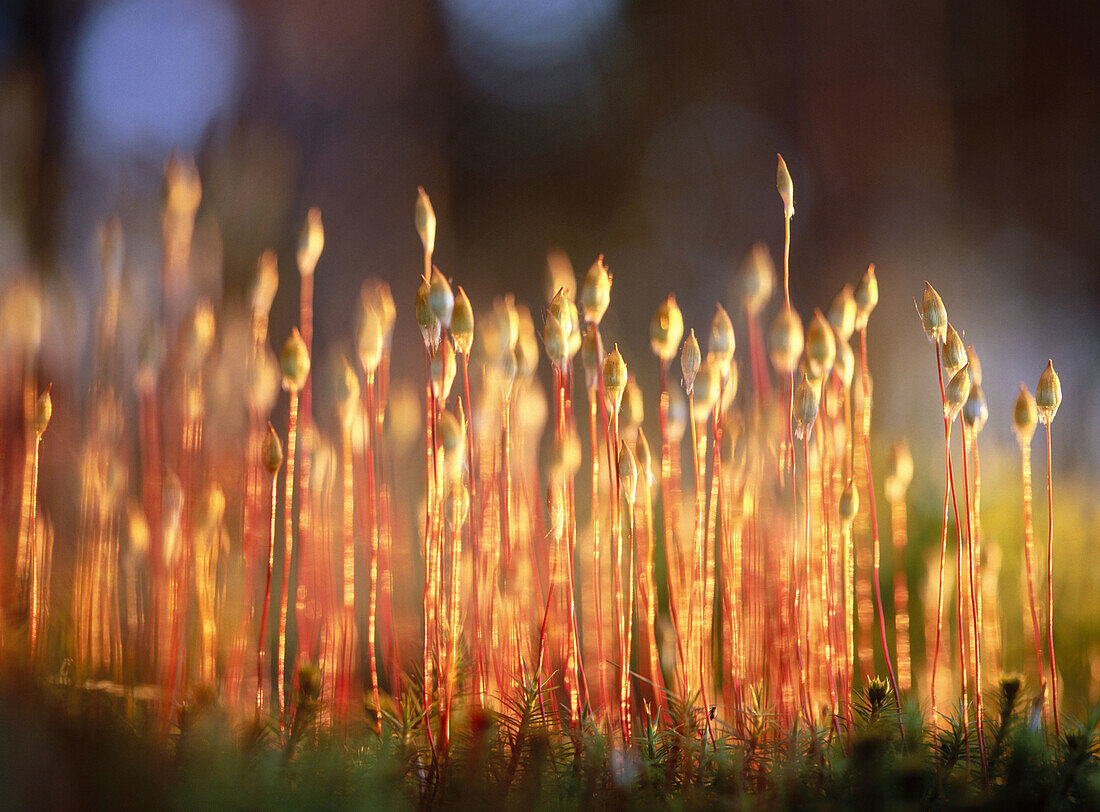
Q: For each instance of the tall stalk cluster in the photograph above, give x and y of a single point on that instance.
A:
(734, 566)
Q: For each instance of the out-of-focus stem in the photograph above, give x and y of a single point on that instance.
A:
(624, 688)
(288, 553)
(372, 521)
(866, 432)
(35, 609)
(1029, 560)
(261, 644)
(943, 533)
(975, 588)
(1050, 591)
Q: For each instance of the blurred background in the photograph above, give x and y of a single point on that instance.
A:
(954, 142)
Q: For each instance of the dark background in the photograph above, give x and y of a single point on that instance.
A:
(955, 142)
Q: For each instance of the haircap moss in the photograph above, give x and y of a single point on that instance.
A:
(294, 362)
(265, 285)
(272, 451)
(1025, 416)
(954, 353)
(933, 315)
(1048, 394)
(426, 319)
(369, 342)
(899, 471)
(43, 411)
(805, 408)
(555, 338)
(956, 393)
(559, 309)
(785, 341)
(975, 412)
(462, 322)
(441, 298)
(785, 186)
(262, 380)
(614, 377)
(690, 359)
(820, 345)
(596, 292)
(866, 296)
(722, 340)
(311, 242)
(376, 293)
(667, 329)
(425, 220)
(756, 279)
(842, 313)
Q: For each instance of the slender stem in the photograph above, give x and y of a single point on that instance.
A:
(26, 504)
(975, 587)
(802, 583)
(668, 525)
(943, 534)
(288, 554)
(828, 593)
(694, 599)
(698, 591)
(262, 641)
(710, 540)
(309, 568)
(572, 679)
(429, 496)
(1029, 559)
(960, 602)
(648, 597)
(901, 593)
(593, 405)
(32, 537)
(849, 611)
(628, 619)
(758, 365)
(786, 262)
(372, 519)
(471, 479)
(790, 372)
(348, 569)
(1050, 591)
(874, 516)
(452, 621)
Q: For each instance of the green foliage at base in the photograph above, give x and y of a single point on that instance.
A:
(66, 748)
